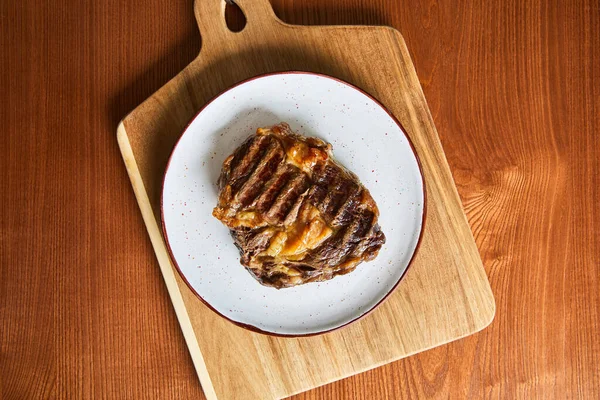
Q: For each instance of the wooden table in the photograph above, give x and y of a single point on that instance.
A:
(513, 86)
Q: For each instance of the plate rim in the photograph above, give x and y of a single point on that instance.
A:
(252, 327)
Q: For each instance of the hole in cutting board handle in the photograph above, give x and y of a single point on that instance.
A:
(234, 16)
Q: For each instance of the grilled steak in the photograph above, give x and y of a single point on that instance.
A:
(295, 214)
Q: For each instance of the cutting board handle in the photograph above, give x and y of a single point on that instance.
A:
(210, 15)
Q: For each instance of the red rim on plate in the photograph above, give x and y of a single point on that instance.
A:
(251, 327)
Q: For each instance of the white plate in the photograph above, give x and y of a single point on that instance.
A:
(365, 138)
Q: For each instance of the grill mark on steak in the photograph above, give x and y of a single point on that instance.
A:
(292, 214)
(273, 187)
(265, 168)
(348, 209)
(338, 197)
(265, 194)
(317, 194)
(333, 192)
(287, 198)
(335, 249)
(245, 160)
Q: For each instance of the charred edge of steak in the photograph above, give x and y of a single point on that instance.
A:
(258, 178)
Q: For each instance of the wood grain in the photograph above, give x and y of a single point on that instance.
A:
(514, 90)
(456, 300)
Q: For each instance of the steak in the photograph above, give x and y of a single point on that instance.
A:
(295, 214)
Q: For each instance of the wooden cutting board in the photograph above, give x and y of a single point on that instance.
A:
(445, 294)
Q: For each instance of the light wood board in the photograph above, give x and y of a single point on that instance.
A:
(444, 296)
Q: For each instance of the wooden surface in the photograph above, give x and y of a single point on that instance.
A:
(445, 294)
(514, 91)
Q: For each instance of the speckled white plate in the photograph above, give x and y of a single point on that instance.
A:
(365, 138)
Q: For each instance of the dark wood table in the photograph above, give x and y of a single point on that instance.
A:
(513, 86)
